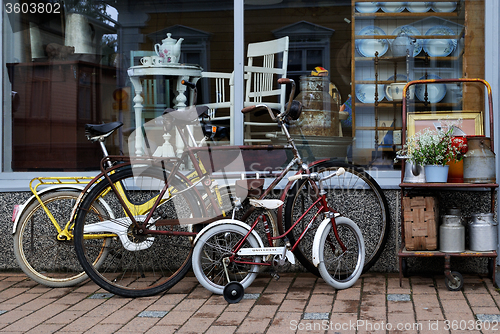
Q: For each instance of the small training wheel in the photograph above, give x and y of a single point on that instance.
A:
(458, 284)
(233, 292)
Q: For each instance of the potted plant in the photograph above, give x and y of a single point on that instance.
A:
(434, 149)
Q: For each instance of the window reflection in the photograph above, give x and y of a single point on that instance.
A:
(69, 68)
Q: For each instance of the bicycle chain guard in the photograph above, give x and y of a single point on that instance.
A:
(120, 226)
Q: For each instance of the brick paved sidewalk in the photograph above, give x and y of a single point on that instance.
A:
(297, 303)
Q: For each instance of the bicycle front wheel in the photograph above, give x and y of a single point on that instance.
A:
(39, 253)
(211, 264)
(138, 264)
(355, 194)
(341, 269)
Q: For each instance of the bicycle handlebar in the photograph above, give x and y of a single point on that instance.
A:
(311, 176)
(252, 108)
(284, 81)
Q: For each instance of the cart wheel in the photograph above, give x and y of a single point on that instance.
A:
(459, 281)
(404, 267)
(491, 267)
(233, 292)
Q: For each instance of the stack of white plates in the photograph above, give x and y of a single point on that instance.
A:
(435, 92)
(441, 47)
(368, 47)
(365, 93)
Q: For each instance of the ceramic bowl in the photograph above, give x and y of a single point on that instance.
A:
(367, 7)
(418, 7)
(444, 7)
(392, 7)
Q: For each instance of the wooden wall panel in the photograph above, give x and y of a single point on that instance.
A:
(473, 95)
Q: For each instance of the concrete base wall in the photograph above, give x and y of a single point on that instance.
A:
(469, 202)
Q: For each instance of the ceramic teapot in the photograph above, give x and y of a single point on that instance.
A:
(170, 49)
(402, 43)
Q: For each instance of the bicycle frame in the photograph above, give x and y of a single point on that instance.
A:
(322, 206)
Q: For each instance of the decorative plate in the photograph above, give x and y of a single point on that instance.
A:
(399, 78)
(435, 92)
(367, 7)
(418, 7)
(444, 7)
(368, 47)
(440, 47)
(411, 31)
(365, 93)
(392, 7)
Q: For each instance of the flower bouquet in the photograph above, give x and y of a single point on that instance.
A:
(434, 148)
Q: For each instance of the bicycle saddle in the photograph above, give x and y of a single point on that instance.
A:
(101, 129)
(215, 131)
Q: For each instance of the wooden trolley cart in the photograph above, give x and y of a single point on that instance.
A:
(453, 280)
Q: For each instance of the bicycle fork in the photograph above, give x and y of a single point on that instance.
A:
(329, 220)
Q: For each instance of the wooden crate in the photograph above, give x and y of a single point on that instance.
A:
(420, 218)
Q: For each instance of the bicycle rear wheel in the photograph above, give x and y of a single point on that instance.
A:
(39, 253)
(341, 269)
(138, 264)
(355, 194)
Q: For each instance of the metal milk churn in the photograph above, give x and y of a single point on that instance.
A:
(451, 234)
(479, 161)
(456, 212)
(320, 111)
(483, 232)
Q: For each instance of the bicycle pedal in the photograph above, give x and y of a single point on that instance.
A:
(275, 276)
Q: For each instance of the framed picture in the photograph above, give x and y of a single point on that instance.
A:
(471, 121)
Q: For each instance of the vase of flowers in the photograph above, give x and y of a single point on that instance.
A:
(433, 149)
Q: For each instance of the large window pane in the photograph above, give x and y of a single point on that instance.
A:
(69, 68)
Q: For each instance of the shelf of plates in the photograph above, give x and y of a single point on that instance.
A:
(438, 31)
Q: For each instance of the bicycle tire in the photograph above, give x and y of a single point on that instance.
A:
(215, 244)
(355, 195)
(339, 269)
(39, 254)
(149, 264)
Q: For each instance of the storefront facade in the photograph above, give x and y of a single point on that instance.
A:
(66, 65)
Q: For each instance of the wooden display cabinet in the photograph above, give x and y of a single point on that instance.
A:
(377, 120)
